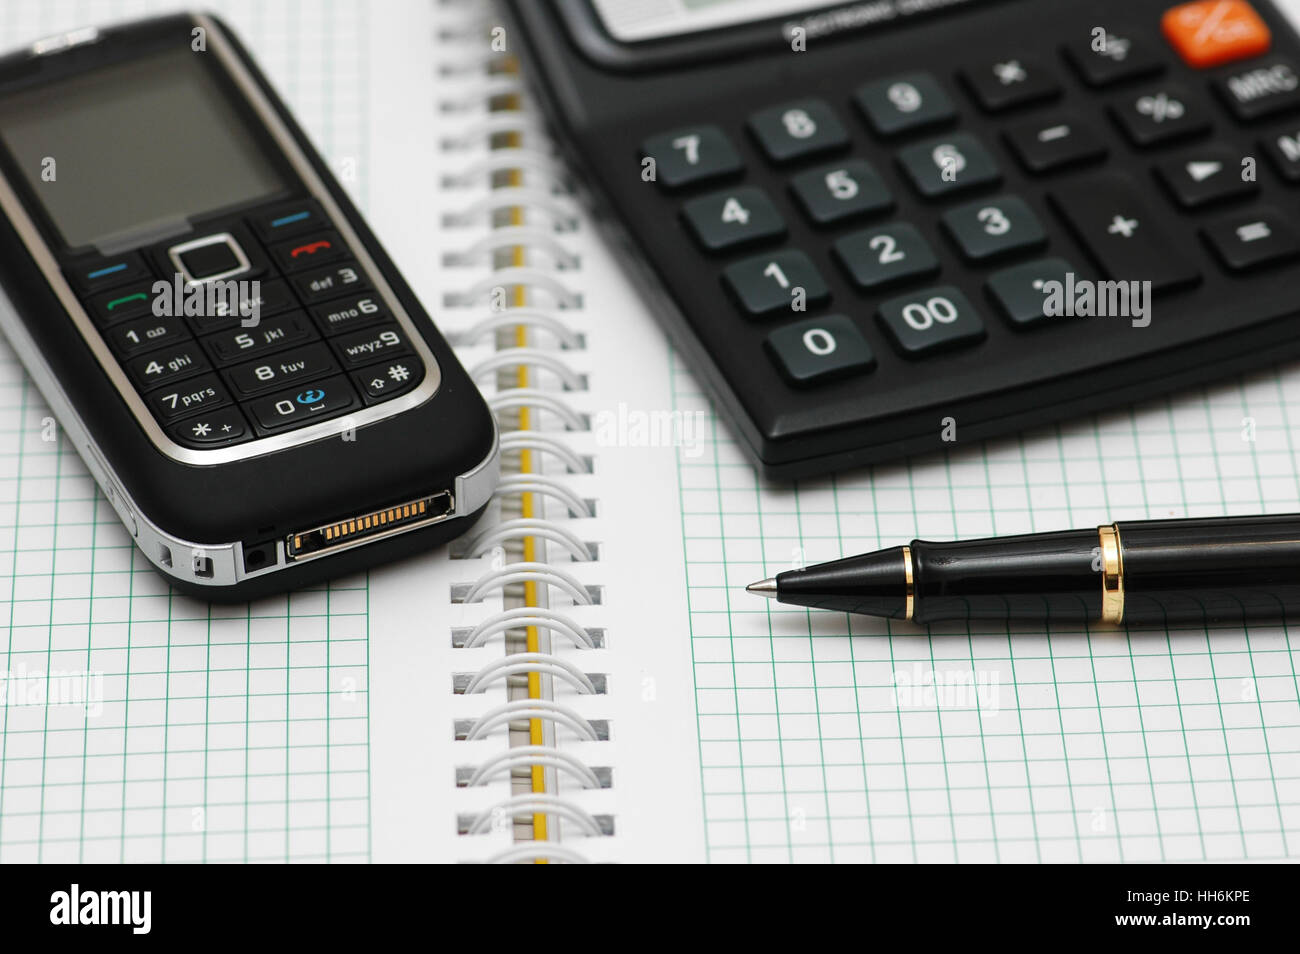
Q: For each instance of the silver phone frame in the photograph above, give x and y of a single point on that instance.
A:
(45, 260)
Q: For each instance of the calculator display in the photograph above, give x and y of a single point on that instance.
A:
(135, 148)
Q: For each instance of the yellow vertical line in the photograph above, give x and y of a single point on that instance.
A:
(527, 504)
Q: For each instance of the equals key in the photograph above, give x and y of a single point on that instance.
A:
(1108, 217)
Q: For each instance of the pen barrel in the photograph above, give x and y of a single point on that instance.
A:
(1038, 576)
(1215, 569)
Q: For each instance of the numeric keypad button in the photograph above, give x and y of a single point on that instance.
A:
(691, 155)
(366, 346)
(840, 192)
(168, 364)
(386, 380)
(241, 344)
(775, 283)
(188, 397)
(726, 220)
(280, 370)
(349, 314)
(877, 258)
(936, 319)
(906, 103)
(819, 350)
(954, 163)
(325, 283)
(302, 405)
(144, 334)
(272, 298)
(796, 130)
(994, 227)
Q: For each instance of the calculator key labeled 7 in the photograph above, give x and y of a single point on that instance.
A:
(795, 130)
(942, 166)
(885, 256)
(726, 220)
(842, 191)
(987, 229)
(773, 283)
(691, 155)
(820, 349)
(936, 319)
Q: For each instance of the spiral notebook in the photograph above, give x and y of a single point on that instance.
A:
(581, 677)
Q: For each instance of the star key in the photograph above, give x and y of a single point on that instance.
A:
(212, 429)
(1108, 217)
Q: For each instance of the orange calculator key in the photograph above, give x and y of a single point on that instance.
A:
(1213, 32)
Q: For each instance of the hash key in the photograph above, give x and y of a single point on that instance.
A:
(1108, 217)
(725, 220)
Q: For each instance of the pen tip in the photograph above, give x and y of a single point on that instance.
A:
(763, 588)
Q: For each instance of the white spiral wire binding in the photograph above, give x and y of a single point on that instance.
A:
(551, 199)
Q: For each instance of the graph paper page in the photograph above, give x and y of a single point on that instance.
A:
(140, 725)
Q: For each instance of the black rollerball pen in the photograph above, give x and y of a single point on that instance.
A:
(1218, 569)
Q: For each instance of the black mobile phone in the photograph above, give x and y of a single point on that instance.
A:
(894, 227)
(247, 376)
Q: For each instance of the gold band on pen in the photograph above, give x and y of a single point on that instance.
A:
(911, 591)
(1112, 575)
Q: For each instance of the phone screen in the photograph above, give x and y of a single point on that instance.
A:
(135, 148)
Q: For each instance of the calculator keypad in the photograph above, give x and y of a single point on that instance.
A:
(210, 372)
(893, 204)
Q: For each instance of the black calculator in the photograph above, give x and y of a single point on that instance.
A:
(878, 229)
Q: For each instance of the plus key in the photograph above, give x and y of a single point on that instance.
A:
(1109, 219)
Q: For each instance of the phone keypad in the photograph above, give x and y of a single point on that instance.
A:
(221, 362)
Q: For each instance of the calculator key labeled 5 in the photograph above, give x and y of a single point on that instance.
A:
(726, 220)
(842, 191)
(1006, 82)
(1209, 175)
(1021, 292)
(819, 350)
(1106, 57)
(995, 227)
(691, 155)
(795, 130)
(877, 258)
(906, 103)
(1213, 32)
(775, 283)
(1160, 114)
(953, 163)
(1046, 145)
(1253, 240)
(936, 319)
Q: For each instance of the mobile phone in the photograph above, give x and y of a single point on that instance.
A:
(247, 376)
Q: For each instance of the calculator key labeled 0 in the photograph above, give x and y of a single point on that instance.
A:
(820, 349)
